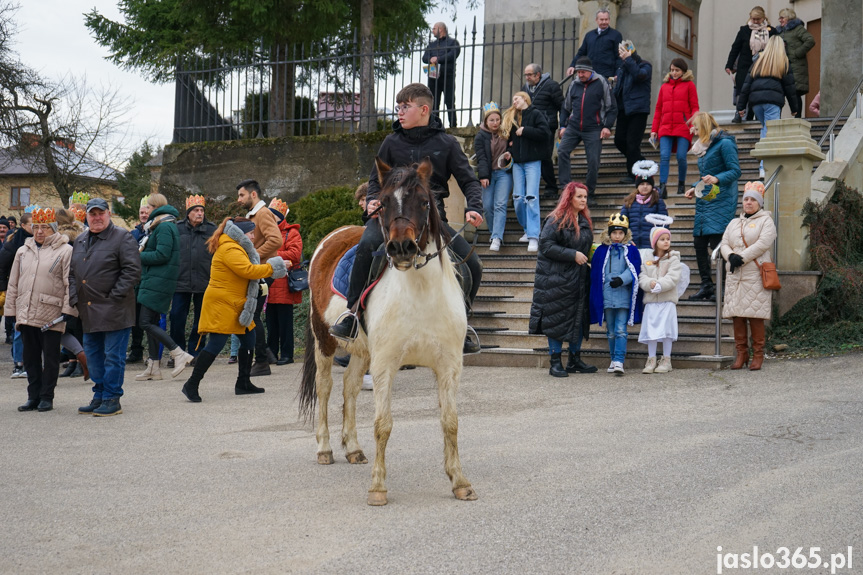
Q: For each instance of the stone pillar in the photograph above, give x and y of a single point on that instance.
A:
(841, 57)
(789, 144)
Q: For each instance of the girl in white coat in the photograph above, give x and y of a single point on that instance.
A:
(659, 279)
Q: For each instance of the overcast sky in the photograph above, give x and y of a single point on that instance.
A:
(52, 38)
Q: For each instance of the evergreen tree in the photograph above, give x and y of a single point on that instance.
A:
(134, 183)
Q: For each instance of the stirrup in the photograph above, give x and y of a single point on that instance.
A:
(353, 334)
(471, 333)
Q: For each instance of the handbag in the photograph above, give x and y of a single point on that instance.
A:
(769, 274)
(298, 279)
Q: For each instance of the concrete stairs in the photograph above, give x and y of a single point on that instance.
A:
(502, 308)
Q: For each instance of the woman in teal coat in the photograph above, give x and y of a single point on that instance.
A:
(160, 265)
(719, 168)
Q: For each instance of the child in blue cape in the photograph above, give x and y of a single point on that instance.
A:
(614, 293)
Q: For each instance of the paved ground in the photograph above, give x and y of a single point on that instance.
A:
(591, 474)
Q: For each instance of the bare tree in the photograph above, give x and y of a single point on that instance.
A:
(73, 132)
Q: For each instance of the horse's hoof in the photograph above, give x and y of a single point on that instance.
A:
(326, 458)
(377, 498)
(465, 493)
(356, 457)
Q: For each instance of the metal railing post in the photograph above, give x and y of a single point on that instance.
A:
(718, 291)
(830, 150)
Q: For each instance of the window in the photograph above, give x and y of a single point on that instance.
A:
(20, 198)
(680, 28)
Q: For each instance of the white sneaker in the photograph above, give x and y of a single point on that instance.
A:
(532, 245)
(650, 366)
(664, 365)
(610, 367)
(368, 384)
(618, 367)
(495, 245)
(523, 239)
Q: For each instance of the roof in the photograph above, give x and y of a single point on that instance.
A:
(13, 163)
(344, 106)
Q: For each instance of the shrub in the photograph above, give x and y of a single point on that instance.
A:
(321, 212)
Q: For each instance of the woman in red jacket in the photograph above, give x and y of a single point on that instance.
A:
(280, 301)
(677, 102)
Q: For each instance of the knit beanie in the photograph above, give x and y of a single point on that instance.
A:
(754, 190)
(584, 63)
(655, 233)
(245, 227)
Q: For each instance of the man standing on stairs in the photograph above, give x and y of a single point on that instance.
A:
(547, 97)
(587, 115)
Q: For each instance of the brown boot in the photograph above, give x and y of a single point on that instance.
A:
(741, 341)
(757, 326)
(82, 361)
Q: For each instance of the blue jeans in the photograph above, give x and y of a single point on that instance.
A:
(665, 145)
(17, 347)
(615, 329)
(494, 200)
(556, 346)
(766, 112)
(235, 345)
(217, 342)
(525, 196)
(179, 313)
(106, 359)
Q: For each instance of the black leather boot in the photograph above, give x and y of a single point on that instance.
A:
(190, 389)
(681, 188)
(244, 383)
(556, 368)
(575, 365)
(707, 292)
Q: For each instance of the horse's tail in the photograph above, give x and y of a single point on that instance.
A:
(308, 388)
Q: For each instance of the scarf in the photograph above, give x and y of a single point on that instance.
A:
(759, 36)
(642, 199)
(699, 148)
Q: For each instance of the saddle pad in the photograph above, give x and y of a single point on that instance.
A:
(342, 275)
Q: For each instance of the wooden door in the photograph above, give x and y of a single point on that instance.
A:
(813, 59)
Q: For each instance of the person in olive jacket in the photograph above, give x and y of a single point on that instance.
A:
(798, 42)
(194, 274)
(105, 268)
(160, 261)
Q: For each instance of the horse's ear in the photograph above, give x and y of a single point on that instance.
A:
(382, 167)
(424, 171)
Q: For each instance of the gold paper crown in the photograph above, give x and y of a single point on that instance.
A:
(144, 201)
(618, 220)
(44, 216)
(79, 214)
(194, 202)
(279, 205)
(79, 198)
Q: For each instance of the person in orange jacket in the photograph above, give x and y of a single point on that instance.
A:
(281, 300)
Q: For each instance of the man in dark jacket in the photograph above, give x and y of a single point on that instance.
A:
(600, 45)
(10, 247)
(587, 116)
(418, 135)
(441, 54)
(136, 349)
(547, 97)
(105, 268)
(194, 276)
(632, 95)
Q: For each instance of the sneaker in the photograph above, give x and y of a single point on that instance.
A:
(368, 384)
(18, 372)
(610, 367)
(495, 245)
(650, 366)
(532, 245)
(232, 360)
(664, 365)
(618, 367)
(523, 239)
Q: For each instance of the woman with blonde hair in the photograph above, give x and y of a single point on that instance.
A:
(230, 301)
(750, 41)
(719, 168)
(526, 130)
(798, 42)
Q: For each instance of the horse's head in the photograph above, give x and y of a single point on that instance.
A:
(408, 213)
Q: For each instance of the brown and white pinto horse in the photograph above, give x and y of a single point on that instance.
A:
(415, 315)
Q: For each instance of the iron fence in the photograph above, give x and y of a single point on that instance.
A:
(284, 90)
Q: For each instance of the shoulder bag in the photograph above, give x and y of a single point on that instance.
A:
(769, 275)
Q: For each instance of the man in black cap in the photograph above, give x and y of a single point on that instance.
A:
(105, 267)
(587, 115)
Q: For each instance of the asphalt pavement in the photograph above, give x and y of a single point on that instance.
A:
(590, 474)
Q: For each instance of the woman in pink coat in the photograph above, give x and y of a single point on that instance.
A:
(676, 104)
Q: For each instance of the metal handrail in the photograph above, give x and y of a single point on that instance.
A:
(718, 292)
(830, 128)
(772, 181)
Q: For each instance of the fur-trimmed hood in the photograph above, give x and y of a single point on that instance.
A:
(605, 239)
(687, 76)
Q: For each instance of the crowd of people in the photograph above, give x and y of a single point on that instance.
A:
(78, 284)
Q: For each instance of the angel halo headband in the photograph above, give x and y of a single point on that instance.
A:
(645, 168)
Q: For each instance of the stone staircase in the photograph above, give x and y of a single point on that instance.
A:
(502, 308)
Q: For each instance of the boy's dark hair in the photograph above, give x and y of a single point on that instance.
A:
(361, 192)
(25, 218)
(416, 92)
(654, 198)
(12, 219)
(251, 185)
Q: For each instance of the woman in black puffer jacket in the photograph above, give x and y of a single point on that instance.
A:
(561, 292)
(528, 134)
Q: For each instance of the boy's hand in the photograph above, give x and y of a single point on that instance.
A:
(615, 282)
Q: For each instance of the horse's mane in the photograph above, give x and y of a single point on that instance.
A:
(409, 178)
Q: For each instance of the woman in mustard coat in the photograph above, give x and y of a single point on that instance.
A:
(230, 299)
